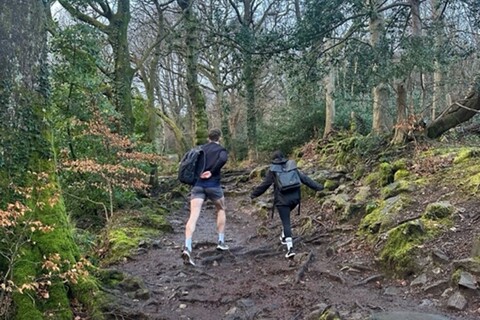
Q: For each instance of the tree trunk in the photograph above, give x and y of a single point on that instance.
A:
(27, 153)
(116, 31)
(457, 113)
(380, 91)
(123, 73)
(196, 95)
(401, 129)
(438, 98)
(329, 102)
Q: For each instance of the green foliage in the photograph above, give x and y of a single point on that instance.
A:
(289, 127)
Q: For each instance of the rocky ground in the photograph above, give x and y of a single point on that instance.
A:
(334, 271)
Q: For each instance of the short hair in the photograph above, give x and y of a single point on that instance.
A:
(214, 134)
(277, 155)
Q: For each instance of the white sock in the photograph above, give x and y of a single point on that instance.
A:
(289, 243)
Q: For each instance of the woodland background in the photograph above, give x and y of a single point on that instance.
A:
(98, 98)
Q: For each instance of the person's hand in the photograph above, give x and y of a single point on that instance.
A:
(205, 175)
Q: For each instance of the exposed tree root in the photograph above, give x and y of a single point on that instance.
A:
(369, 279)
(303, 267)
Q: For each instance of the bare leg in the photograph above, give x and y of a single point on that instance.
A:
(195, 208)
(221, 216)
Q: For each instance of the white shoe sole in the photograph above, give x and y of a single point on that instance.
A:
(187, 260)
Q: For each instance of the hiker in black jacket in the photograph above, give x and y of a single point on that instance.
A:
(206, 187)
(284, 201)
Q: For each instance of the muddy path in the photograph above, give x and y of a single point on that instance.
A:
(253, 280)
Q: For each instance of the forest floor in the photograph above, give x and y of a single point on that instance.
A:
(333, 269)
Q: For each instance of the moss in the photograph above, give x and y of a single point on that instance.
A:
(60, 241)
(88, 293)
(383, 217)
(396, 188)
(465, 154)
(330, 184)
(439, 210)
(398, 254)
(358, 172)
(455, 278)
(382, 176)
(124, 240)
(400, 164)
(386, 173)
(400, 174)
(473, 183)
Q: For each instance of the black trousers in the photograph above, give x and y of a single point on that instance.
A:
(284, 212)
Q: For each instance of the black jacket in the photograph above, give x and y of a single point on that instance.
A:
(215, 158)
(290, 198)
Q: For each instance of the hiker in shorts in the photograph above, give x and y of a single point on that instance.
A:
(287, 200)
(206, 187)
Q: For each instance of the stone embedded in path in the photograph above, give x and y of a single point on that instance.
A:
(467, 280)
(406, 315)
(457, 301)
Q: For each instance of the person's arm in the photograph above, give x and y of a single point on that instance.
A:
(222, 159)
(306, 180)
(262, 187)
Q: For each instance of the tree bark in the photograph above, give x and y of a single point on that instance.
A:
(196, 95)
(329, 102)
(116, 31)
(457, 113)
(26, 154)
(380, 91)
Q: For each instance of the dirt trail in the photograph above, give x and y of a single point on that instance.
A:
(255, 281)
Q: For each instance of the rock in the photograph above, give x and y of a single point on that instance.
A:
(419, 281)
(406, 315)
(439, 210)
(457, 301)
(131, 284)
(392, 291)
(142, 294)
(467, 280)
(439, 256)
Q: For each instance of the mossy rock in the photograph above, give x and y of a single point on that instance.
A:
(363, 194)
(439, 210)
(396, 188)
(399, 254)
(330, 314)
(124, 240)
(331, 184)
(385, 216)
(382, 176)
(337, 201)
(353, 210)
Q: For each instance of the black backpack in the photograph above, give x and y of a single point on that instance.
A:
(286, 176)
(188, 171)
